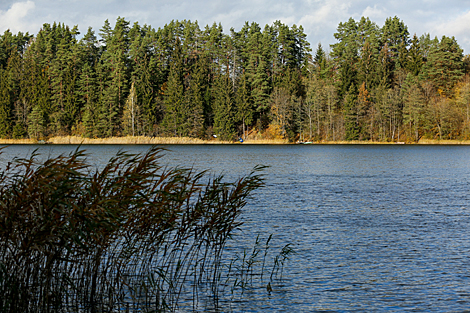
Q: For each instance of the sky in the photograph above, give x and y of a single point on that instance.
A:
(319, 18)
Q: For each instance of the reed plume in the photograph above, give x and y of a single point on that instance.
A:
(133, 235)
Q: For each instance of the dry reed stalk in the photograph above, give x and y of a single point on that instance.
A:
(132, 140)
(443, 142)
(131, 234)
(17, 141)
(142, 140)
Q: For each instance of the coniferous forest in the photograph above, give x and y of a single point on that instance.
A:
(374, 84)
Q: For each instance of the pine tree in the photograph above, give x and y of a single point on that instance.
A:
(444, 65)
(395, 34)
(367, 69)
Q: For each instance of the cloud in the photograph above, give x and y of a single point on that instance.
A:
(319, 18)
(457, 27)
(375, 14)
(15, 17)
(322, 19)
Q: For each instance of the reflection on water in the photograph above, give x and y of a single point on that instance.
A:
(376, 228)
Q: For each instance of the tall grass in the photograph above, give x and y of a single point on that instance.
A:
(133, 235)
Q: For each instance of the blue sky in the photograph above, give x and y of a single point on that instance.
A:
(318, 17)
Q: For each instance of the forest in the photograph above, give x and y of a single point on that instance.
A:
(378, 84)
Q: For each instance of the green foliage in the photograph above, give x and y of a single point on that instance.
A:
(351, 123)
(5, 104)
(175, 112)
(224, 111)
(244, 105)
(195, 101)
(415, 57)
(36, 127)
(131, 115)
(81, 86)
(444, 65)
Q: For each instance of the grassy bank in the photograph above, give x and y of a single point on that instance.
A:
(141, 140)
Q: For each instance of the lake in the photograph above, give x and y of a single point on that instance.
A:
(374, 227)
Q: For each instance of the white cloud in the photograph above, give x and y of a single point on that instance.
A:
(457, 27)
(15, 17)
(319, 18)
(322, 19)
(375, 14)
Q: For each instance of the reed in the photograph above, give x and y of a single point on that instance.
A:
(127, 140)
(155, 140)
(253, 139)
(4, 141)
(132, 236)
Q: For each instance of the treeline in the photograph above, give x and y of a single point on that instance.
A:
(181, 80)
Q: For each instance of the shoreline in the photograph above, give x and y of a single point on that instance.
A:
(141, 140)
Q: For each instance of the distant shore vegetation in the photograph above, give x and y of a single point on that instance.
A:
(189, 84)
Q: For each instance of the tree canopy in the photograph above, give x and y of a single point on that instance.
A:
(183, 80)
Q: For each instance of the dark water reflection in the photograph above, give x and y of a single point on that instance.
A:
(376, 228)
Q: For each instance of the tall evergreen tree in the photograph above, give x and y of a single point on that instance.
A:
(243, 104)
(351, 117)
(175, 117)
(444, 65)
(224, 126)
(415, 57)
(195, 100)
(5, 104)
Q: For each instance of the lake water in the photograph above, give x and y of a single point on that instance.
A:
(375, 228)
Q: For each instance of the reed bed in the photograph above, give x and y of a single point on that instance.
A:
(132, 236)
(257, 140)
(127, 140)
(155, 140)
(4, 141)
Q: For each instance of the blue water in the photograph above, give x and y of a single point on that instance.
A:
(375, 228)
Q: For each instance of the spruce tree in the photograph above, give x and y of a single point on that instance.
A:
(413, 107)
(174, 121)
(87, 95)
(244, 104)
(224, 126)
(5, 104)
(351, 124)
(415, 57)
(36, 126)
(195, 101)
(114, 76)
